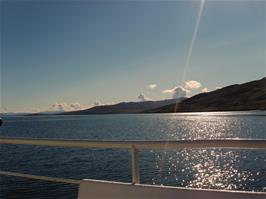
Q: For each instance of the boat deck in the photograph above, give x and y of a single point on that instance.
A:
(96, 189)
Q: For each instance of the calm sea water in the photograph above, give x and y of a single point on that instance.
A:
(214, 168)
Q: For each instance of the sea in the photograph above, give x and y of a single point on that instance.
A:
(231, 169)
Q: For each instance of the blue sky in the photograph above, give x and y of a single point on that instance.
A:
(63, 52)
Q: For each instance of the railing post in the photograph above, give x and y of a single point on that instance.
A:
(134, 162)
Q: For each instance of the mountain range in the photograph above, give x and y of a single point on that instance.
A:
(125, 107)
(238, 97)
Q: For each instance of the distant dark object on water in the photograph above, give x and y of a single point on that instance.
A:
(1, 121)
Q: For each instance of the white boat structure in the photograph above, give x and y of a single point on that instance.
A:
(98, 189)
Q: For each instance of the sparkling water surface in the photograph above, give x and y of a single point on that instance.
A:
(232, 169)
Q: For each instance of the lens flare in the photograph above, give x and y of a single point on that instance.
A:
(192, 43)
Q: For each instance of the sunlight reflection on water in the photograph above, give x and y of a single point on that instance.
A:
(212, 168)
(219, 169)
(202, 127)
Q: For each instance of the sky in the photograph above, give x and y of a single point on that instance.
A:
(75, 54)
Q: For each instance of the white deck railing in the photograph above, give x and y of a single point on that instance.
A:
(134, 146)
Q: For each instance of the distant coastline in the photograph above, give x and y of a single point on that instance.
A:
(250, 96)
(243, 97)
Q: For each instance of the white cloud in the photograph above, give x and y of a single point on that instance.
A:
(98, 103)
(53, 108)
(143, 98)
(169, 90)
(152, 86)
(177, 92)
(218, 87)
(63, 107)
(57, 107)
(75, 106)
(205, 90)
(192, 84)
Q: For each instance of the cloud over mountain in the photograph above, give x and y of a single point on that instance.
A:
(98, 103)
(205, 90)
(143, 98)
(63, 107)
(192, 84)
(152, 86)
(177, 92)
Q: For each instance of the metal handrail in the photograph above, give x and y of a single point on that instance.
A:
(140, 144)
(37, 177)
(136, 145)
